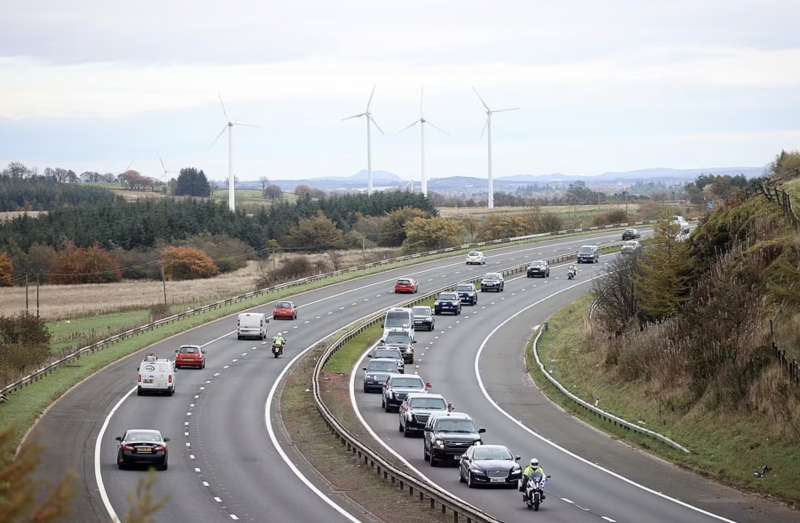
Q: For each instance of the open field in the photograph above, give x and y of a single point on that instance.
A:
(250, 197)
(571, 215)
(10, 215)
(726, 446)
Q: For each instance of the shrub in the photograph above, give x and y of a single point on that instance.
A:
(316, 233)
(6, 271)
(497, 226)
(228, 253)
(24, 343)
(433, 233)
(158, 311)
(291, 268)
(186, 263)
(611, 217)
(137, 264)
(90, 265)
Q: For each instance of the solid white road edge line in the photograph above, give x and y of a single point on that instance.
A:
(556, 445)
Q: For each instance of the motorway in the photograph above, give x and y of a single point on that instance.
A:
(476, 361)
(224, 464)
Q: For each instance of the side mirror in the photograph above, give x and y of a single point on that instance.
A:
(517, 458)
(118, 438)
(548, 476)
(426, 429)
(413, 341)
(465, 457)
(481, 430)
(363, 368)
(166, 440)
(176, 351)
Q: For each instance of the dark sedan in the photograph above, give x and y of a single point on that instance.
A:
(417, 408)
(538, 268)
(467, 293)
(447, 302)
(489, 465)
(378, 371)
(493, 281)
(423, 318)
(142, 447)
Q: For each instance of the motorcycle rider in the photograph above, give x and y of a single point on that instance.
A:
(278, 341)
(528, 473)
(572, 271)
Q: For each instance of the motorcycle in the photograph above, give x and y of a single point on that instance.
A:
(277, 349)
(533, 496)
(571, 273)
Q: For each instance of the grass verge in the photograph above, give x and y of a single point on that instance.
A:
(725, 446)
(345, 474)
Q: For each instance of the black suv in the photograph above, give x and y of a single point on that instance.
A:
(630, 234)
(378, 371)
(397, 387)
(493, 281)
(588, 254)
(447, 302)
(467, 293)
(538, 268)
(423, 318)
(447, 436)
(401, 339)
(417, 408)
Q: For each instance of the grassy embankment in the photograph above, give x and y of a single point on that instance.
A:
(725, 446)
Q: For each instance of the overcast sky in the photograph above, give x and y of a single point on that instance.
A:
(602, 86)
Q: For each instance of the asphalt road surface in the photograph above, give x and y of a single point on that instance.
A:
(222, 464)
(594, 478)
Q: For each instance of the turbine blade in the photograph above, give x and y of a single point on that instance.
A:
(225, 111)
(506, 110)
(371, 119)
(409, 126)
(436, 127)
(217, 138)
(485, 125)
(369, 102)
(481, 99)
(359, 115)
(162, 164)
(247, 124)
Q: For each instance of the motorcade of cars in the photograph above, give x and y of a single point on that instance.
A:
(377, 372)
(588, 254)
(397, 387)
(284, 310)
(401, 339)
(423, 318)
(493, 281)
(252, 325)
(406, 286)
(142, 447)
(448, 435)
(631, 234)
(538, 269)
(192, 356)
(467, 293)
(156, 375)
(476, 258)
(631, 247)
(489, 465)
(398, 318)
(417, 408)
(447, 302)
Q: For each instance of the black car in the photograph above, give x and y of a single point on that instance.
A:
(423, 318)
(401, 339)
(142, 447)
(489, 465)
(447, 436)
(588, 254)
(393, 353)
(630, 234)
(397, 387)
(467, 293)
(447, 302)
(417, 408)
(377, 372)
(538, 268)
(493, 281)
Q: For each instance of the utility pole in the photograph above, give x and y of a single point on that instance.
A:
(37, 296)
(26, 293)
(363, 250)
(625, 194)
(164, 284)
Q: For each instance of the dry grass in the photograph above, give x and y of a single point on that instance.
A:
(456, 212)
(10, 215)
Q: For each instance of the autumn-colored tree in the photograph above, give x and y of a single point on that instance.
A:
(6, 271)
(186, 263)
(316, 233)
(433, 233)
(90, 265)
(497, 226)
(393, 230)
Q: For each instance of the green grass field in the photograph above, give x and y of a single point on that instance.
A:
(727, 446)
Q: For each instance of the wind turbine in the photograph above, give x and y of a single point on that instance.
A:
(488, 127)
(422, 121)
(164, 167)
(370, 120)
(229, 127)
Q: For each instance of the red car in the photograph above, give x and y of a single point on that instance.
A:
(190, 356)
(405, 285)
(284, 310)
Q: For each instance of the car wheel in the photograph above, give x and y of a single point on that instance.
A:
(460, 475)
(139, 391)
(469, 480)
(400, 428)
(203, 366)
(164, 466)
(433, 460)
(171, 391)
(424, 454)
(121, 465)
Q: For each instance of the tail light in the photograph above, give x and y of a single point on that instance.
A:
(140, 378)
(129, 448)
(169, 379)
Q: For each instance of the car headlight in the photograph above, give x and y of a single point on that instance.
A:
(477, 471)
(391, 393)
(409, 416)
(439, 443)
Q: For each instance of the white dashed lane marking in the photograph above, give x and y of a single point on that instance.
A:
(217, 499)
(608, 519)
(205, 484)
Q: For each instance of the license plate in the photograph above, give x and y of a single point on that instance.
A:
(456, 457)
(498, 480)
(148, 380)
(144, 450)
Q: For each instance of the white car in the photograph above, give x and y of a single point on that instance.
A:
(156, 375)
(476, 258)
(252, 325)
(398, 318)
(631, 247)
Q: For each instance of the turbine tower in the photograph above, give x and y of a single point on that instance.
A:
(229, 127)
(164, 168)
(488, 127)
(422, 121)
(370, 120)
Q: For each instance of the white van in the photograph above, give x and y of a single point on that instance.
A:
(156, 375)
(398, 318)
(252, 325)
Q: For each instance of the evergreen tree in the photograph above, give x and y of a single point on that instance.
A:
(192, 182)
(661, 283)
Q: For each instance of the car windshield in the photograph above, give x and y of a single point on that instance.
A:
(493, 276)
(586, 249)
(143, 435)
(468, 287)
(404, 282)
(283, 305)
(387, 366)
(398, 338)
(408, 382)
(492, 453)
(448, 296)
(189, 350)
(428, 403)
(538, 263)
(387, 353)
(422, 311)
(455, 425)
(474, 253)
(396, 319)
